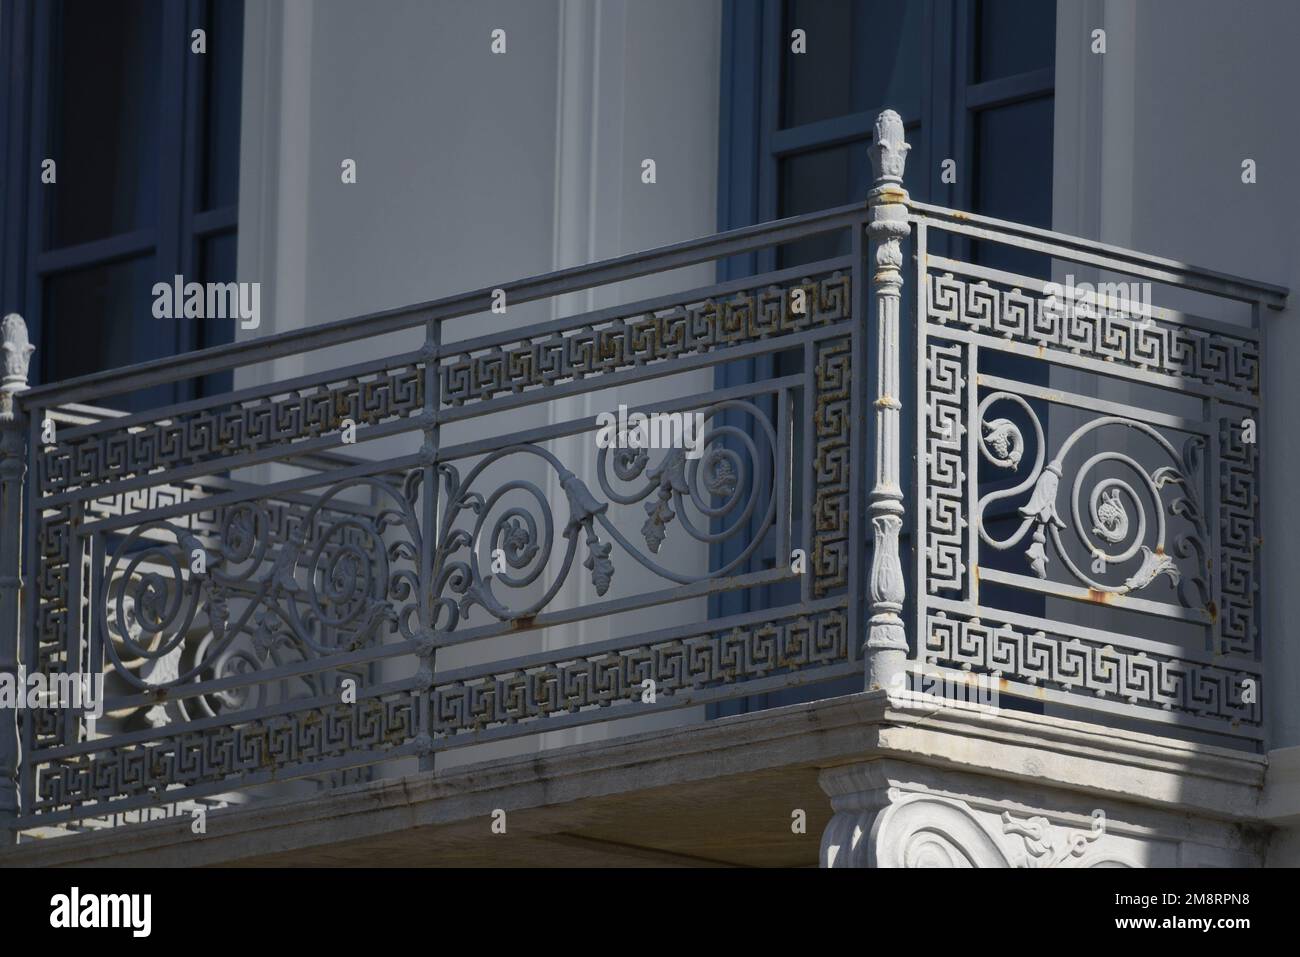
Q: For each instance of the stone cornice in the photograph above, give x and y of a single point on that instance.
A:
(1137, 768)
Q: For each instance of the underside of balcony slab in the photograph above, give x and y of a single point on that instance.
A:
(727, 793)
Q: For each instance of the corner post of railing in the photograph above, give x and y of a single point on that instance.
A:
(886, 646)
(16, 350)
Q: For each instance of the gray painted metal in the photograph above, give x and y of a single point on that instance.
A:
(230, 678)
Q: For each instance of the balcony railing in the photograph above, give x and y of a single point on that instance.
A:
(1060, 495)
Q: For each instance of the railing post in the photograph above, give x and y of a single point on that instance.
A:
(886, 649)
(17, 352)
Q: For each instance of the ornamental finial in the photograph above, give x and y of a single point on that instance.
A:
(888, 152)
(18, 351)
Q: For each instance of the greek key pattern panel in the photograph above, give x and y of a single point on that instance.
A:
(281, 743)
(49, 644)
(1092, 668)
(1238, 539)
(1097, 332)
(682, 330)
(945, 473)
(831, 419)
(705, 661)
(244, 427)
(284, 517)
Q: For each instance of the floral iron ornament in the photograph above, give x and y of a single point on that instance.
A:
(732, 479)
(1117, 512)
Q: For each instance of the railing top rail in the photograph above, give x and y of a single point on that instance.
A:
(690, 252)
(660, 259)
(1268, 294)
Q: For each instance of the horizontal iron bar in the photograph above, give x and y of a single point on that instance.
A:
(311, 338)
(626, 643)
(644, 306)
(232, 719)
(1112, 704)
(271, 453)
(1064, 357)
(1101, 254)
(661, 369)
(559, 430)
(248, 679)
(1124, 602)
(1159, 313)
(246, 780)
(569, 616)
(664, 701)
(1195, 655)
(1092, 403)
(222, 401)
(360, 470)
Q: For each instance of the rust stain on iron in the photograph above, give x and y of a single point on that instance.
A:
(522, 623)
(1101, 597)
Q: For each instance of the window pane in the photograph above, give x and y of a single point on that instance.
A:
(1015, 36)
(818, 180)
(849, 67)
(104, 118)
(216, 264)
(102, 318)
(1014, 179)
(818, 84)
(221, 133)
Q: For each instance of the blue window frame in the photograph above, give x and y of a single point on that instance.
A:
(144, 134)
(973, 81)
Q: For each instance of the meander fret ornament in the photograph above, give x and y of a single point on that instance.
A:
(292, 584)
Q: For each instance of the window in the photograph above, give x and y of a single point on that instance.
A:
(973, 81)
(143, 133)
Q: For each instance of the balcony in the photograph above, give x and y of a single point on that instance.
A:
(926, 464)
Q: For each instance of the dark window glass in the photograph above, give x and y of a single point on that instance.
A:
(1014, 176)
(222, 86)
(840, 74)
(93, 319)
(217, 264)
(105, 111)
(817, 180)
(1014, 36)
(217, 261)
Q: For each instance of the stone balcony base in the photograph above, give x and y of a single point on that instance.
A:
(883, 780)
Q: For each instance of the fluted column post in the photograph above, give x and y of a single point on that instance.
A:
(886, 648)
(16, 351)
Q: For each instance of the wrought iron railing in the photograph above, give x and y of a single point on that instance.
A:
(1133, 524)
(270, 603)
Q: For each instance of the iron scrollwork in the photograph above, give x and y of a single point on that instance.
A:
(337, 581)
(1119, 527)
(729, 483)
